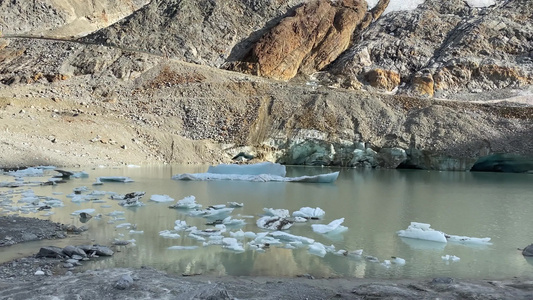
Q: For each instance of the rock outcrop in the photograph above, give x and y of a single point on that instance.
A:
(447, 49)
(310, 39)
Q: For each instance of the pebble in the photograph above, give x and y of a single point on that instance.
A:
(39, 273)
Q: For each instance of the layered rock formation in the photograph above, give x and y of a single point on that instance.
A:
(309, 40)
(447, 49)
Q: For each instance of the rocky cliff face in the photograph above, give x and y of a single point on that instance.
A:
(172, 104)
(62, 18)
(447, 49)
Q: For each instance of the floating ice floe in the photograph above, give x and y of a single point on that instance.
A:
(101, 180)
(232, 244)
(333, 227)
(169, 234)
(274, 223)
(180, 225)
(182, 247)
(161, 198)
(282, 213)
(235, 204)
(130, 199)
(123, 225)
(228, 221)
(188, 202)
(450, 258)
(28, 172)
(291, 238)
(468, 240)
(261, 172)
(309, 213)
(115, 213)
(211, 212)
(136, 231)
(422, 231)
(398, 260)
(317, 249)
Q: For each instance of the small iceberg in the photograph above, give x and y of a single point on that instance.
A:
(168, 234)
(317, 249)
(87, 211)
(182, 248)
(235, 204)
(232, 244)
(282, 213)
(188, 202)
(291, 238)
(161, 198)
(422, 231)
(333, 227)
(468, 240)
(180, 225)
(450, 258)
(309, 213)
(101, 180)
(261, 172)
(274, 223)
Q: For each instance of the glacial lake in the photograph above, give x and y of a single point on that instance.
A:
(375, 205)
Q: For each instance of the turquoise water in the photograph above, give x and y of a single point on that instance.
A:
(375, 205)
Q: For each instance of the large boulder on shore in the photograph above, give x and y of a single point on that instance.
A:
(528, 251)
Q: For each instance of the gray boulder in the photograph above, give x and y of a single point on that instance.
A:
(73, 250)
(124, 282)
(51, 252)
(528, 251)
(97, 249)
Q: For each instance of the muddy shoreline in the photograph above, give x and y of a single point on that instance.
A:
(18, 280)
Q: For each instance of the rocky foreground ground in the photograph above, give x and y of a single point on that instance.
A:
(46, 278)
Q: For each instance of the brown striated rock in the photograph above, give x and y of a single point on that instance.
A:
(501, 76)
(383, 79)
(423, 84)
(313, 37)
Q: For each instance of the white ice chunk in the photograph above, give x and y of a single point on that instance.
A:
(333, 227)
(235, 204)
(180, 225)
(115, 213)
(228, 221)
(324, 178)
(232, 244)
(237, 234)
(123, 225)
(182, 247)
(136, 231)
(273, 223)
(422, 231)
(309, 213)
(101, 180)
(469, 240)
(450, 258)
(251, 169)
(291, 238)
(480, 3)
(87, 211)
(196, 237)
(29, 172)
(317, 249)
(250, 235)
(168, 234)
(161, 198)
(282, 213)
(300, 220)
(398, 260)
(188, 202)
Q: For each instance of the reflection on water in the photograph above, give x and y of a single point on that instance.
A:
(374, 203)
